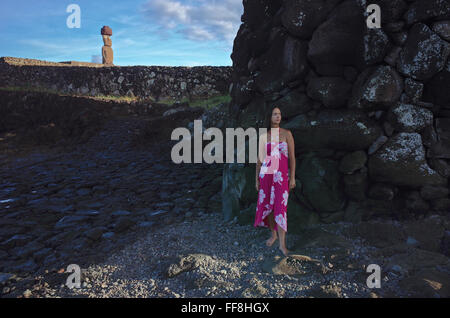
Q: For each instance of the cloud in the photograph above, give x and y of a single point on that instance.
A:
(129, 20)
(97, 59)
(60, 49)
(196, 20)
(58, 46)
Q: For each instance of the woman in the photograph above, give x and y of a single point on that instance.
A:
(273, 181)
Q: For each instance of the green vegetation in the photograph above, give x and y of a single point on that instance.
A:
(206, 103)
(211, 102)
(115, 98)
(52, 91)
(28, 89)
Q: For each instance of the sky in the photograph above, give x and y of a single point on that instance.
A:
(145, 32)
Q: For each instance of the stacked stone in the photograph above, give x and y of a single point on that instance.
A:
(107, 52)
(370, 106)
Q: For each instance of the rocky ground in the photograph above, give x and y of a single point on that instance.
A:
(205, 257)
(140, 226)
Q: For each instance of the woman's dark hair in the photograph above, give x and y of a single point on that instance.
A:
(268, 122)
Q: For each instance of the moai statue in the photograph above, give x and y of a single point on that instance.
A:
(107, 52)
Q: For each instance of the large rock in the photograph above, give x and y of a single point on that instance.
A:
(295, 264)
(335, 129)
(238, 188)
(321, 183)
(441, 148)
(356, 185)
(333, 92)
(377, 87)
(339, 40)
(253, 114)
(299, 216)
(436, 90)
(353, 162)
(256, 11)
(292, 104)
(243, 91)
(391, 10)
(285, 61)
(376, 46)
(380, 191)
(401, 161)
(442, 28)
(424, 53)
(413, 89)
(302, 17)
(247, 216)
(241, 51)
(415, 203)
(189, 262)
(433, 193)
(424, 10)
(410, 118)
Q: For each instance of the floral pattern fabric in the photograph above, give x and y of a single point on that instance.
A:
(274, 187)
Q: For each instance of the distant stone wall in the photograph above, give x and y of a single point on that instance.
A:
(369, 108)
(156, 82)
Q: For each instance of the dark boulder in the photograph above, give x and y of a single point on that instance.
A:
(333, 92)
(285, 61)
(424, 53)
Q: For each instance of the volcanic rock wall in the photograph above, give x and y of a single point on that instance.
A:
(369, 108)
(157, 82)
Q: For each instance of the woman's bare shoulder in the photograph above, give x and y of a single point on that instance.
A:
(286, 132)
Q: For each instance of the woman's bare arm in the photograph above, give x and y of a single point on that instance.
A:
(291, 152)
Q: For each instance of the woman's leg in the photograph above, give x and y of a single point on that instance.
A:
(282, 235)
(273, 230)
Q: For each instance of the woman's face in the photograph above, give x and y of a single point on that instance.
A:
(276, 116)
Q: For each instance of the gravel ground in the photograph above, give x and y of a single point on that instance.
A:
(202, 257)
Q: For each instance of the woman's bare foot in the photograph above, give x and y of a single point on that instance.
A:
(271, 240)
(285, 251)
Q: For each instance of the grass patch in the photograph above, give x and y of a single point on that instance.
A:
(34, 89)
(210, 102)
(115, 98)
(28, 89)
(206, 103)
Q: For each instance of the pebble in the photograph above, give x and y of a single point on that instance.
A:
(27, 293)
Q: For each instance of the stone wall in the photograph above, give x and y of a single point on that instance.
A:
(154, 82)
(369, 108)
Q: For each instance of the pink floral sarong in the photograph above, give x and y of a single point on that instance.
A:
(274, 187)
